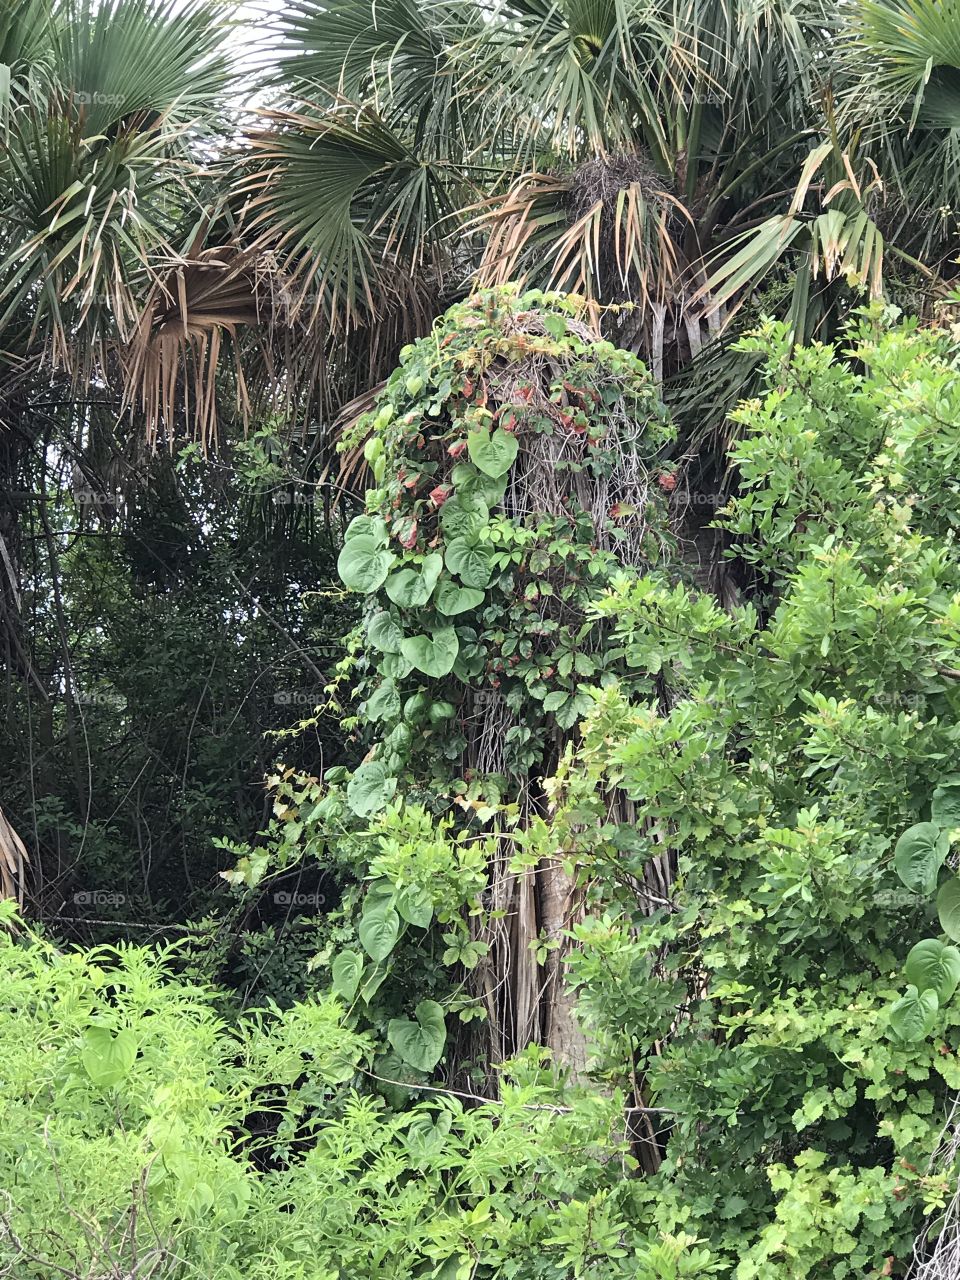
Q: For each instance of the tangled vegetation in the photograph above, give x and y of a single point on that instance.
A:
(771, 1034)
(480, 631)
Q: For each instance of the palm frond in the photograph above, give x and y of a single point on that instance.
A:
(191, 321)
(123, 60)
(352, 215)
(80, 221)
(348, 46)
(841, 241)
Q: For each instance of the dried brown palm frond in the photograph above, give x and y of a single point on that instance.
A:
(609, 230)
(602, 230)
(936, 1251)
(13, 862)
(191, 319)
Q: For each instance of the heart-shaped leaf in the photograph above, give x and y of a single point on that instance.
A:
(367, 527)
(363, 564)
(415, 905)
(384, 704)
(379, 930)
(346, 970)
(913, 1015)
(391, 1069)
(919, 855)
(948, 908)
(411, 588)
(425, 1136)
(470, 562)
(420, 1043)
(384, 632)
(370, 789)
(452, 599)
(932, 966)
(433, 655)
(472, 484)
(374, 981)
(463, 517)
(107, 1057)
(492, 452)
(945, 805)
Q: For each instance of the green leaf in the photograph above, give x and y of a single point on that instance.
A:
(367, 527)
(464, 516)
(370, 789)
(384, 704)
(471, 563)
(415, 905)
(106, 1057)
(346, 970)
(472, 485)
(379, 930)
(417, 706)
(411, 589)
(931, 965)
(384, 633)
(425, 1136)
(420, 1043)
(948, 908)
(452, 599)
(339, 1063)
(913, 1015)
(394, 666)
(433, 655)
(373, 982)
(555, 325)
(554, 701)
(919, 855)
(945, 805)
(363, 564)
(494, 452)
(395, 1080)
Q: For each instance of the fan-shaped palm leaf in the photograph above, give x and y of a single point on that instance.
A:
(350, 212)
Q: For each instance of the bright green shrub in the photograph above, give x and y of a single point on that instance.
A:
(138, 1131)
(784, 767)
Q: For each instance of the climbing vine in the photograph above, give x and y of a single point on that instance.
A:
(517, 464)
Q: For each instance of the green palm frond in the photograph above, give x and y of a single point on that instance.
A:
(26, 34)
(351, 214)
(80, 220)
(574, 77)
(348, 46)
(915, 47)
(838, 241)
(119, 60)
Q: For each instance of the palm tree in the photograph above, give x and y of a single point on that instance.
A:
(662, 158)
(98, 159)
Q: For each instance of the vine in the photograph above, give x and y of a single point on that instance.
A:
(517, 464)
